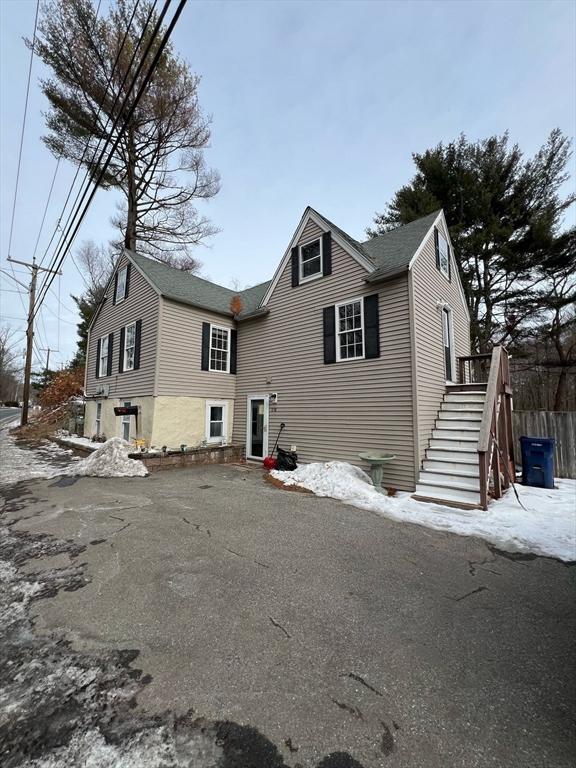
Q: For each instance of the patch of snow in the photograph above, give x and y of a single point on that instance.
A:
(18, 464)
(83, 442)
(546, 527)
(110, 460)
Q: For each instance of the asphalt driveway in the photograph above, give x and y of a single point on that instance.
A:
(326, 628)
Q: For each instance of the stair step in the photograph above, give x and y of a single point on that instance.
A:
(455, 433)
(451, 493)
(451, 443)
(476, 389)
(465, 406)
(443, 423)
(462, 480)
(478, 398)
(456, 455)
(451, 465)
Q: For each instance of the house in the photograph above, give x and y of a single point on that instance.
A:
(353, 345)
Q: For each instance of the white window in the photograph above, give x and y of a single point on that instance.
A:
(311, 260)
(219, 349)
(126, 423)
(98, 419)
(350, 330)
(121, 285)
(103, 362)
(443, 255)
(129, 347)
(216, 421)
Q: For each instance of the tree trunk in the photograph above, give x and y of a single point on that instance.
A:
(130, 236)
(561, 389)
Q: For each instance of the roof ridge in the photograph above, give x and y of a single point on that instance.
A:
(433, 214)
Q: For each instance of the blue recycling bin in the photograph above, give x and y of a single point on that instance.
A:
(538, 461)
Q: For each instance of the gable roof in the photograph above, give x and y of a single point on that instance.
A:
(393, 251)
(190, 289)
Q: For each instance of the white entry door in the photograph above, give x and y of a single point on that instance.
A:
(257, 426)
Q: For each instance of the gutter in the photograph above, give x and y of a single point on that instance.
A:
(380, 277)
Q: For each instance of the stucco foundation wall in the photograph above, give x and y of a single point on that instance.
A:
(180, 420)
(111, 425)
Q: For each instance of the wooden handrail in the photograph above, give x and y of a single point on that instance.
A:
(489, 402)
(480, 356)
(495, 435)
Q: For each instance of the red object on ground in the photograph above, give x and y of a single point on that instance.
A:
(270, 462)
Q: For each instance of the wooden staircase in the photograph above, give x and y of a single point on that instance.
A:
(472, 437)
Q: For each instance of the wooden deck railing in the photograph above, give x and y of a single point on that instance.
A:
(474, 369)
(495, 441)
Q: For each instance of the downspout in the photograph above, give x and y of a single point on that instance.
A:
(414, 372)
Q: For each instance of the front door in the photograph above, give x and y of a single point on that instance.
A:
(448, 338)
(257, 427)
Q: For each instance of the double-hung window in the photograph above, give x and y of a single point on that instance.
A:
(350, 330)
(98, 419)
(311, 260)
(103, 361)
(126, 423)
(219, 349)
(216, 421)
(443, 255)
(121, 281)
(129, 347)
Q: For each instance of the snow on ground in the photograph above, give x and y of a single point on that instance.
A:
(83, 442)
(547, 525)
(23, 464)
(110, 460)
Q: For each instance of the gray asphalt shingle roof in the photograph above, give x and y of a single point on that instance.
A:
(390, 253)
(190, 289)
(393, 251)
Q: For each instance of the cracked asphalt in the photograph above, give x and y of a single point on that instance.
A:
(336, 637)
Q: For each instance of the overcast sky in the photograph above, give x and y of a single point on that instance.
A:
(313, 103)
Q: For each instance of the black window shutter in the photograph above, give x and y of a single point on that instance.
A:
(137, 340)
(449, 263)
(121, 353)
(110, 353)
(295, 267)
(437, 248)
(329, 334)
(115, 287)
(327, 253)
(233, 340)
(205, 346)
(371, 327)
(98, 359)
(128, 266)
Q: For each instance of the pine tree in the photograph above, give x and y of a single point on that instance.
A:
(505, 215)
(163, 147)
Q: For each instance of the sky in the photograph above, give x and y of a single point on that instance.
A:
(316, 103)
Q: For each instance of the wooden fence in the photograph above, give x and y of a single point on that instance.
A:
(561, 425)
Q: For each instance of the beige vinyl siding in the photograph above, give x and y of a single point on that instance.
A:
(141, 304)
(180, 354)
(331, 411)
(430, 286)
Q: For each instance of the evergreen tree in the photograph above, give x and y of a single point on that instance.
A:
(505, 215)
(90, 57)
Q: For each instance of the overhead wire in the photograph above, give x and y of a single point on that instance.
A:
(71, 232)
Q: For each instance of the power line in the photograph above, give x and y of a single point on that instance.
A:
(87, 145)
(137, 98)
(46, 208)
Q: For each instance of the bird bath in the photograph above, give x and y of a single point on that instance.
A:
(376, 461)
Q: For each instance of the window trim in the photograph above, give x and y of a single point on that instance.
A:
(102, 374)
(124, 358)
(316, 275)
(125, 420)
(216, 404)
(338, 332)
(120, 299)
(210, 348)
(98, 419)
(445, 272)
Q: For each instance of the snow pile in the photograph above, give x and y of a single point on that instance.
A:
(110, 460)
(546, 527)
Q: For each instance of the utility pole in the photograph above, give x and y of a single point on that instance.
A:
(34, 269)
(47, 350)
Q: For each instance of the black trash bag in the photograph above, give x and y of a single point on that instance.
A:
(286, 461)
